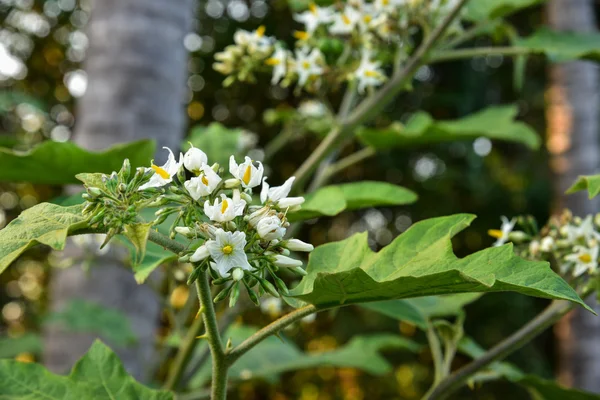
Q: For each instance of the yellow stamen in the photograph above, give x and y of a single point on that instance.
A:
(367, 18)
(204, 180)
(260, 31)
(313, 8)
(305, 65)
(495, 233)
(224, 206)
(385, 2)
(247, 175)
(227, 249)
(372, 74)
(301, 35)
(585, 258)
(272, 61)
(163, 174)
(346, 19)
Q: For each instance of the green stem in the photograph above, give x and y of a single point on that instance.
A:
(348, 161)
(165, 242)
(183, 355)
(219, 362)
(269, 330)
(449, 55)
(436, 353)
(279, 142)
(470, 33)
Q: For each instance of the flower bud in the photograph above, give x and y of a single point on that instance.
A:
(232, 183)
(94, 192)
(183, 230)
(270, 228)
(200, 254)
(290, 202)
(246, 197)
(257, 215)
(518, 236)
(547, 244)
(194, 159)
(283, 261)
(237, 274)
(534, 247)
(298, 245)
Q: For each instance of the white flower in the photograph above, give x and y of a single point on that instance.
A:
(585, 259)
(283, 261)
(254, 218)
(163, 175)
(279, 63)
(547, 244)
(200, 254)
(344, 22)
(194, 159)
(387, 5)
(270, 228)
(368, 73)
(534, 247)
(278, 194)
(307, 64)
(501, 234)
(585, 231)
(204, 184)
(228, 252)
(312, 109)
(248, 174)
(314, 17)
(254, 41)
(271, 306)
(298, 245)
(226, 209)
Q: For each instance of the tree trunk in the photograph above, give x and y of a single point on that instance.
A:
(574, 144)
(136, 69)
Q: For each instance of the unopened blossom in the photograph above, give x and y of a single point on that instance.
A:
(584, 258)
(224, 209)
(368, 73)
(501, 235)
(278, 194)
(255, 217)
(271, 306)
(286, 262)
(312, 109)
(270, 228)
(314, 17)
(308, 64)
(200, 254)
(194, 159)
(247, 173)
(279, 63)
(345, 21)
(547, 244)
(227, 250)
(298, 245)
(164, 174)
(203, 184)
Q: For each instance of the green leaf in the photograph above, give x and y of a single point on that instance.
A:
(44, 223)
(218, 142)
(138, 236)
(13, 346)
(99, 375)
(497, 122)
(155, 257)
(420, 262)
(86, 316)
(479, 10)
(563, 46)
(58, 163)
(589, 182)
(332, 200)
(274, 356)
(418, 310)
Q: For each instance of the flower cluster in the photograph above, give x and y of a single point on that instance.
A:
(348, 41)
(570, 243)
(239, 241)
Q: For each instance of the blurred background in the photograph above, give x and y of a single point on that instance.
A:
(101, 72)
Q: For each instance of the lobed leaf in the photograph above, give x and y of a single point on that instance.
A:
(589, 182)
(420, 262)
(563, 46)
(57, 163)
(497, 122)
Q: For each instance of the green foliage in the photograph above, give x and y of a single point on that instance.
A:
(563, 46)
(87, 316)
(138, 236)
(589, 182)
(44, 223)
(479, 10)
(155, 257)
(217, 141)
(420, 262)
(497, 122)
(275, 356)
(57, 163)
(13, 346)
(332, 200)
(99, 375)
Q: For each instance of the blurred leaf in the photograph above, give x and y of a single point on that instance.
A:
(44, 223)
(27, 343)
(589, 182)
(57, 163)
(12, 98)
(497, 122)
(99, 375)
(274, 356)
(418, 310)
(420, 262)
(563, 46)
(332, 200)
(218, 142)
(480, 10)
(87, 316)
(138, 236)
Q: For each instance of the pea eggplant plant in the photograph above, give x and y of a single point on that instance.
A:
(201, 210)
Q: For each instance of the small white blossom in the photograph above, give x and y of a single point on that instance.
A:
(278, 194)
(387, 6)
(345, 22)
(237, 274)
(534, 247)
(247, 173)
(368, 73)
(501, 234)
(298, 245)
(283, 261)
(547, 244)
(314, 17)
(585, 259)
(200, 254)
(203, 184)
(312, 109)
(255, 41)
(227, 250)
(163, 175)
(194, 159)
(585, 231)
(308, 64)
(279, 63)
(270, 228)
(226, 209)
(271, 306)
(255, 217)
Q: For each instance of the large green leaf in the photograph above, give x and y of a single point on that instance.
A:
(497, 122)
(99, 375)
(58, 163)
(44, 223)
(589, 182)
(332, 200)
(421, 309)
(155, 257)
(479, 10)
(273, 356)
(563, 46)
(13, 346)
(86, 316)
(420, 262)
(218, 142)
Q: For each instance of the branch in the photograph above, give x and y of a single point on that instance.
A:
(448, 55)
(166, 243)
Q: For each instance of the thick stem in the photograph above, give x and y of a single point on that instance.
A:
(183, 355)
(165, 242)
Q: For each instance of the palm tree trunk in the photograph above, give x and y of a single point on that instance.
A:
(136, 70)
(573, 141)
